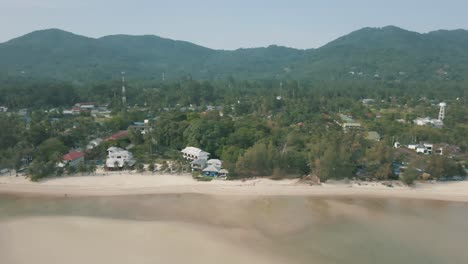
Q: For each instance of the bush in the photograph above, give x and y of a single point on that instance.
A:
(140, 167)
(409, 176)
(151, 167)
(204, 178)
(197, 176)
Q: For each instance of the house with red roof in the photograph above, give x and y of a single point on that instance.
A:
(73, 158)
(118, 135)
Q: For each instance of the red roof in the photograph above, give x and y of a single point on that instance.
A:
(118, 135)
(73, 156)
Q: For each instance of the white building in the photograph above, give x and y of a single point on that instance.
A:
(3, 109)
(86, 106)
(192, 153)
(215, 163)
(94, 143)
(425, 148)
(118, 156)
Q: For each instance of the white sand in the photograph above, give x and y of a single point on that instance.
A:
(124, 183)
(87, 240)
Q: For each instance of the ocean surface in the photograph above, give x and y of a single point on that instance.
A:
(194, 228)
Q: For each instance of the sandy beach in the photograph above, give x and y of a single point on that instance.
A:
(125, 183)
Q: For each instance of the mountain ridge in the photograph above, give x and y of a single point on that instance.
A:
(383, 52)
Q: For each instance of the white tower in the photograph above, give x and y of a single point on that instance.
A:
(124, 97)
(442, 111)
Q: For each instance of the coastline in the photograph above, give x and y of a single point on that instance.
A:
(116, 184)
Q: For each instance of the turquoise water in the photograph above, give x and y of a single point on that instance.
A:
(301, 229)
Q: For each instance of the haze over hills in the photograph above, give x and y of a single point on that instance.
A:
(388, 53)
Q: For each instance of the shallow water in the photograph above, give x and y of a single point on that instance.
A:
(282, 228)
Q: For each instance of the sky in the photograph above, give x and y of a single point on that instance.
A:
(230, 24)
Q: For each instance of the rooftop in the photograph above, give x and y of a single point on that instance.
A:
(73, 155)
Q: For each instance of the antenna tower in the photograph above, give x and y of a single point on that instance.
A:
(124, 97)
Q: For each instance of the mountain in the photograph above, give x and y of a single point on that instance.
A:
(393, 53)
(388, 53)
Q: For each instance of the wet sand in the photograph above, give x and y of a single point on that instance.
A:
(202, 228)
(78, 240)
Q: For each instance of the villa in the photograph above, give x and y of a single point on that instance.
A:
(117, 158)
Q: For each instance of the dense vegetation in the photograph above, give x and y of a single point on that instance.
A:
(259, 128)
(265, 111)
(388, 54)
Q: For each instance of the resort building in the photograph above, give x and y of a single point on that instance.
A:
(215, 163)
(192, 153)
(117, 158)
(72, 159)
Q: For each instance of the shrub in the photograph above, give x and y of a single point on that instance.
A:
(409, 176)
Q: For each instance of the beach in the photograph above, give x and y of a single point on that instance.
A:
(122, 217)
(132, 183)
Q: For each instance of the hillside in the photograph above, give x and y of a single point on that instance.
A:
(388, 53)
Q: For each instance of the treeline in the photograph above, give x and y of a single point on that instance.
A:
(33, 93)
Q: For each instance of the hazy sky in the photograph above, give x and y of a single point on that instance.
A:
(230, 24)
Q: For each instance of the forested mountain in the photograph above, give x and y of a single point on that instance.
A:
(389, 54)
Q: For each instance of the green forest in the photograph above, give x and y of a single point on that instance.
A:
(258, 128)
(388, 54)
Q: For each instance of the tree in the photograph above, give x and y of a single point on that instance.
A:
(92, 167)
(126, 166)
(151, 167)
(50, 150)
(81, 168)
(335, 156)
(164, 166)
(140, 167)
(71, 170)
(409, 176)
(378, 161)
(39, 169)
(258, 160)
(441, 166)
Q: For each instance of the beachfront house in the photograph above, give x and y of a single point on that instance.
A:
(198, 164)
(117, 158)
(223, 173)
(72, 159)
(211, 171)
(192, 153)
(215, 162)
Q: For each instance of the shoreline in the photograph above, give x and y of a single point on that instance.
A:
(117, 184)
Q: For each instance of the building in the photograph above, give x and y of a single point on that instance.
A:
(425, 148)
(373, 136)
(368, 101)
(85, 106)
(192, 153)
(72, 159)
(211, 171)
(117, 158)
(141, 127)
(94, 143)
(3, 109)
(348, 123)
(351, 126)
(118, 135)
(215, 162)
(438, 123)
(428, 121)
(223, 173)
(198, 164)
